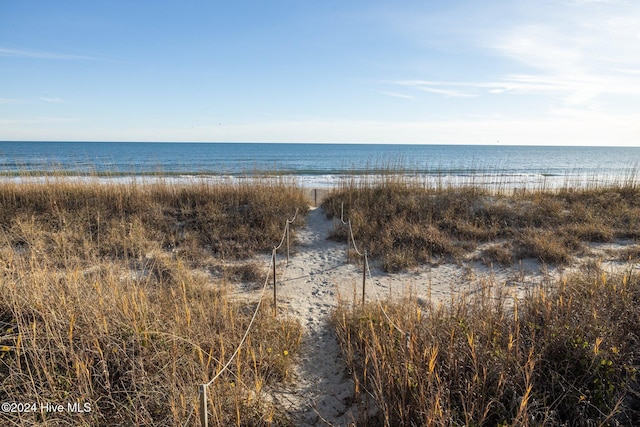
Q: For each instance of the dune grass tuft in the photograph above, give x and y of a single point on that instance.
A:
(404, 223)
(561, 356)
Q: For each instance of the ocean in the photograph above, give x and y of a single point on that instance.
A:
(323, 165)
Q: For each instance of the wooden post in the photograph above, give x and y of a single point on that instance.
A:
(275, 306)
(349, 237)
(286, 230)
(364, 275)
(348, 247)
(204, 422)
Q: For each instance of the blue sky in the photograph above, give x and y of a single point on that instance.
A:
(558, 72)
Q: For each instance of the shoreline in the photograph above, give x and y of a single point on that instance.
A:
(489, 181)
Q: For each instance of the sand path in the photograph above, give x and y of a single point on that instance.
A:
(316, 276)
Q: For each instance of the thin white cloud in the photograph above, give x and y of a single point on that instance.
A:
(443, 88)
(53, 100)
(471, 88)
(542, 47)
(396, 94)
(448, 93)
(579, 53)
(586, 50)
(41, 54)
(571, 90)
(10, 101)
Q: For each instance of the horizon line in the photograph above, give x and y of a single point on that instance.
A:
(496, 144)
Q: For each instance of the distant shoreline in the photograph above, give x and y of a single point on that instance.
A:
(495, 181)
(324, 165)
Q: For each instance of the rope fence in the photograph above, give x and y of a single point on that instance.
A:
(365, 269)
(351, 240)
(201, 398)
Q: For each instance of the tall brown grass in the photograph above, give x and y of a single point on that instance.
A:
(104, 300)
(566, 354)
(562, 356)
(404, 222)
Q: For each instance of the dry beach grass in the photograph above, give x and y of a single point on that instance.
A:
(564, 353)
(101, 301)
(561, 356)
(127, 296)
(404, 222)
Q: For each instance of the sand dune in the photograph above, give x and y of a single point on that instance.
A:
(318, 277)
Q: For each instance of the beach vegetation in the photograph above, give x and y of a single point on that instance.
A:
(116, 296)
(565, 354)
(403, 222)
